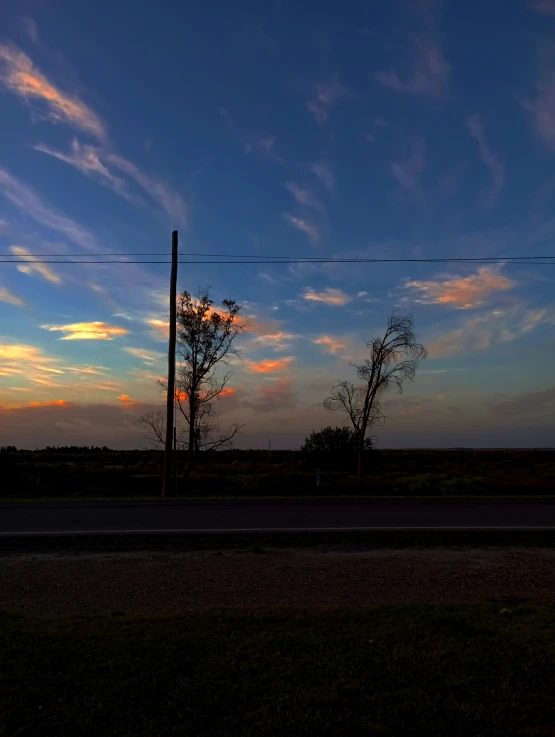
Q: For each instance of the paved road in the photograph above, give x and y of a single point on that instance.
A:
(272, 515)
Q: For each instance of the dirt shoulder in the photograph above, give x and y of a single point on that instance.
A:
(142, 582)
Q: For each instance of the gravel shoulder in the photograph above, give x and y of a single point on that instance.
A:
(147, 582)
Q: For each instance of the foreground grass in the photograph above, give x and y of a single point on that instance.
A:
(252, 498)
(465, 670)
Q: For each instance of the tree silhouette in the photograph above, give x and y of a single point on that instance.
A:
(393, 359)
(205, 339)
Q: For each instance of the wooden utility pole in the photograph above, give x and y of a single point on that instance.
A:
(170, 399)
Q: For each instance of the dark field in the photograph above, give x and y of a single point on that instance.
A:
(386, 670)
(100, 473)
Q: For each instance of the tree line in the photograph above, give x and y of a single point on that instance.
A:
(206, 341)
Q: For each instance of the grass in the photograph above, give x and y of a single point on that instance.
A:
(404, 670)
(251, 498)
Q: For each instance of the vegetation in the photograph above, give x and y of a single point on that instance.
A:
(334, 447)
(387, 670)
(205, 339)
(393, 359)
(76, 473)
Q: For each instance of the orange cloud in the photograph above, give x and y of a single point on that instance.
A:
(49, 403)
(127, 401)
(227, 391)
(460, 292)
(270, 366)
(18, 359)
(87, 331)
(18, 75)
(328, 296)
(331, 344)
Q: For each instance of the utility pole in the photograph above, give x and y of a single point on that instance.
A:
(170, 399)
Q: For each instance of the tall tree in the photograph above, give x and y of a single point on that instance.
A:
(393, 358)
(205, 340)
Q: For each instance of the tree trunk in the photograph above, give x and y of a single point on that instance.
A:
(192, 444)
(361, 460)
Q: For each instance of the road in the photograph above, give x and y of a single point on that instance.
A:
(269, 515)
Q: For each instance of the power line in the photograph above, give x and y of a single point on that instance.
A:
(511, 260)
(16, 258)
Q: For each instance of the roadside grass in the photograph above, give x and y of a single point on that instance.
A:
(261, 497)
(384, 670)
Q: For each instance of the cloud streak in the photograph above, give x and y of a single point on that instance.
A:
(486, 331)
(328, 296)
(462, 292)
(494, 164)
(20, 76)
(407, 172)
(324, 173)
(33, 265)
(305, 197)
(331, 344)
(30, 204)
(10, 298)
(305, 226)
(95, 162)
(270, 366)
(86, 331)
(428, 72)
(324, 96)
(144, 355)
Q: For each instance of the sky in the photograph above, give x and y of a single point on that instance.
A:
(405, 130)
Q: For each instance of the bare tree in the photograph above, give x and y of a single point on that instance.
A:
(205, 338)
(393, 359)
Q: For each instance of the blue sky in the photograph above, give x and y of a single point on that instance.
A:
(402, 130)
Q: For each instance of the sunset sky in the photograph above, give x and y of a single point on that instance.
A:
(408, 129)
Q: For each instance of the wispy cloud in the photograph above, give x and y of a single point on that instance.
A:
(144, 354)
(10, 298)
(494, 164)
(305, 197)
(270, 366)
(86, 159)
(308, 228)
(542, 109)
(126, 401)
(547, 7)
(462, 292)
(428, 72)
(323, 97)
(160, 192)
(324, 173)
(86, 331)
(30, 204)
(329, 296)
(20, 76)
(331, 343)
(20, 359)
(95, 162)
(488, 330)
(407, 172)
(33, 265)
(31, 28)
(277, 341)
(50, 403)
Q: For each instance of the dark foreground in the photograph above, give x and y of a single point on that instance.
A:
(437, 670)
(273, 515)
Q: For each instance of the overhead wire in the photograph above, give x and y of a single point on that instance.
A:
(510, 260)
